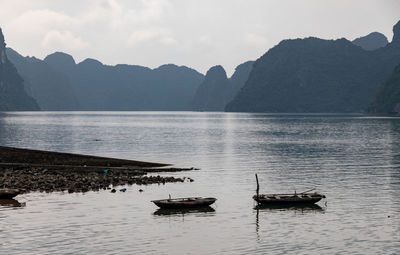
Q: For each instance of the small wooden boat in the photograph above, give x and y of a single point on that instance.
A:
(288, 199)
(303, 198)
(8, 193)
(189, 202)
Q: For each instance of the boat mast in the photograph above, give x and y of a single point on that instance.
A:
(258, 186)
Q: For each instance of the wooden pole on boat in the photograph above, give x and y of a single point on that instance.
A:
(307, 191)
(258, 186)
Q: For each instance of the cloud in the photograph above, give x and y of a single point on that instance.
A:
(42, 20)
(151, 34)
(142, 36)
(151, 10)
(64, 40)
(205, 39)
(256, 39)
(126, 13)
(168, 40)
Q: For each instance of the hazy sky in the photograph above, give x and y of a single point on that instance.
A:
(195, 33)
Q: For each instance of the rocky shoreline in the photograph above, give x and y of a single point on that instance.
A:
(44, 180)
(32, 170)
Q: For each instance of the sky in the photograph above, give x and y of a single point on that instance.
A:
(195, 33)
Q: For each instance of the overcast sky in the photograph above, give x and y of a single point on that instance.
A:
(195, 33)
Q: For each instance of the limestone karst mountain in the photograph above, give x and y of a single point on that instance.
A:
(371, 41)
(315, 75)
(13, 96)
(217, 90)
(51, 89)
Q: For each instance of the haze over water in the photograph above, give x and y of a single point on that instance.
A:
(353, 159)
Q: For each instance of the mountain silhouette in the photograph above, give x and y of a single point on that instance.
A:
(315, 75)
(371, 41)
(217, 90)
(13, 96)
(51, 89)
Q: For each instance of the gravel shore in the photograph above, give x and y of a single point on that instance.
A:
(33, 170)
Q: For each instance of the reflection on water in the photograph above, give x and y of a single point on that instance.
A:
(293, 210)
(205, 211)
(11, 203)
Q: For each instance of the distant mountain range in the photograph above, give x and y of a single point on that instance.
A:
(300, 75)
(315, 75)
(58, 83)
(127, 87)
(13, 96)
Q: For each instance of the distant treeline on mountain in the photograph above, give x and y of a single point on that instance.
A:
(388, 97)
(315, 75)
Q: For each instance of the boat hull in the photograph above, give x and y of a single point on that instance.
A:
(302, 207)
(184, 203)
(182, 211)
(282, 200)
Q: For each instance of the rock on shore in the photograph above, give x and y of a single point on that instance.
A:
(44, 180)
(47, 171)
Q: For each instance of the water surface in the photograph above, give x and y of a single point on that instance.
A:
(353, 159)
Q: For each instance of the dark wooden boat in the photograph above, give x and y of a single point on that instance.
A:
(8, 193)
(288, 199)
(189, 202)
(303, 198)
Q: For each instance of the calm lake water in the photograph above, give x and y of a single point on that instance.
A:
(354, 160)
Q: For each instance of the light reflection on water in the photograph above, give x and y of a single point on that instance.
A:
(353, 160)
